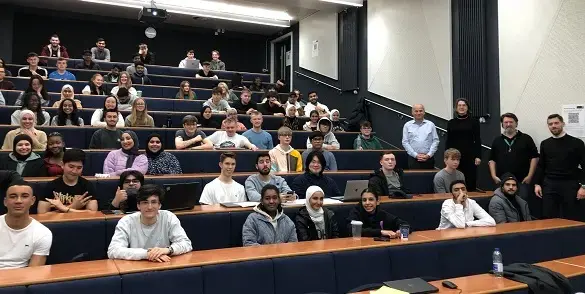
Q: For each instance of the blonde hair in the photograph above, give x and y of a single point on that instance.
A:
(128, 84)
(138, 118)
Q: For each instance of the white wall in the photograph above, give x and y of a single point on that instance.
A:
(542, 59)
(409, 53)
(323, 28)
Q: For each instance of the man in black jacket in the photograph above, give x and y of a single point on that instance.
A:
(387, 181)
(245, 105)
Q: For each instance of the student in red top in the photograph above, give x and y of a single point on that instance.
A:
(55, 49)
(54, 154)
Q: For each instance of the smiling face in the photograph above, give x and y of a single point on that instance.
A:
(230, 128)
(263, 165)
(101, 45)
(123, 78)
(27, 121)
(313, 98)
(369, 202)
(55, 41)
(23, 147)
(315, 166)
(190, 128)
(335, 116)
(33, 103)
(462, 108)
(257, 120)
(149, 208)
(55, 144)
(36, 85)
(291, 112)
(314, 118)
(67, 93)
(140, 105)
(111, 119)
(245, 97)
(98, 80)
(110, 103)
(228, 166)
(316, 200)
(271, 201)
(67, 107)
(418, 112)
(154, 144)
(18, 200)
(127, 141)
(215, 55)
(207, 113)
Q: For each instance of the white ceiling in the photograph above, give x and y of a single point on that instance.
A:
(298, 9)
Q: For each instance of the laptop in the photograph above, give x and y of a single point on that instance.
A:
(192, 64)
(413, 286)
(182, 196)
(353, 191)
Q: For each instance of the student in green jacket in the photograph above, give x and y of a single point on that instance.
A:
(365, 140)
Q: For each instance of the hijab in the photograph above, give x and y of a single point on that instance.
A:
(29, 112)
(17, 139)
(317, 216)
(205, 123)
(67, 87)
(132, 153)
(151, 154)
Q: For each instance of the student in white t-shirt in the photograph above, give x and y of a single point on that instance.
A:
(224, 189)
(229, 139)
(23, 240)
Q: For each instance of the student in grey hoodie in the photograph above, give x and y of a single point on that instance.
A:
(329, 140)
(268, 224)
(506, 206)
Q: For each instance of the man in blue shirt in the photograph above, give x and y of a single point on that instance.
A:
(257, 136)
(420, 140)
(61, 73)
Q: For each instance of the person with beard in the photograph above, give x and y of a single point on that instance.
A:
(127, 157)
(224, 189)
(129, 183)
(160, 162)
(313, 176)
(514, 152)
(506, 206)
(70, 192)
(87, 62)
(315, 222)
(322, 109)
(23, 160)
(375, 221)
(54, 154)
(462, 212)
(96, 86)
(108, 137)
(98, 118)
(256, 182)
(559, 181)
(55, 49)
(113, 75)
(268, 224)
(139, 77)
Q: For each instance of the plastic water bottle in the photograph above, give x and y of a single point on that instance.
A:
(169, 122)
(498, 263)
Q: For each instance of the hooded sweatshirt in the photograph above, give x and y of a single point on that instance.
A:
(508, 208)
(260, 228)
(329, 138)
(285, 161)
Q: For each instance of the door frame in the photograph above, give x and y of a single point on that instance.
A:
(272, 42)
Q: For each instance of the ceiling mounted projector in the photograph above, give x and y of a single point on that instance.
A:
(152, 15)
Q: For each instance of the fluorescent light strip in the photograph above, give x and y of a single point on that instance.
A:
(235, 17)
(222, 7)
(129, 4)
(357, 3)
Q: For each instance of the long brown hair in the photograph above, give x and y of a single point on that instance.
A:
(139, 118)
(191, 94)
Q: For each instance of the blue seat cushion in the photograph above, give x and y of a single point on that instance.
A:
(289, 271)
(110, 285)
(374, 263)
(186, 280)
(76, 237)
(241, 277)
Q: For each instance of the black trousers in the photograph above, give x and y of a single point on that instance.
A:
(469, 169)
(559, 199)
(415, 164)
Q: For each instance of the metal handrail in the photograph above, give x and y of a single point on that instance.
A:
(314, 79)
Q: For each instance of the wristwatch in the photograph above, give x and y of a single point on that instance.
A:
(171, 251)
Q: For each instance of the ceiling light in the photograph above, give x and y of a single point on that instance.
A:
(357, 3)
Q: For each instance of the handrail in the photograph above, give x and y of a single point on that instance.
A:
(314, 79)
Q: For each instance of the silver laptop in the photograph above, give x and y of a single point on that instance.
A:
(192, 64)
(353, 190)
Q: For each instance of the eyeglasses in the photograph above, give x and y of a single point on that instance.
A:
(132, 181)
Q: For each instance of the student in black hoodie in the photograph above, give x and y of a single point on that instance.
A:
(388, 180)
(313, 176)
(139, 77)
(376, 222)
(315, 222)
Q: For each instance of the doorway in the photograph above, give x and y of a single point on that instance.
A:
(281, 60)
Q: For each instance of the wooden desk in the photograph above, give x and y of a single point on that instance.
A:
(55, 217)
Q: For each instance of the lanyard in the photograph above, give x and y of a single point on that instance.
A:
(510, 143)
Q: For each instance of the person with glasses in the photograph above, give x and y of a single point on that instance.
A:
(365, 140)
(129, 183)
(150, 233)
(316, 138)
(284, 157)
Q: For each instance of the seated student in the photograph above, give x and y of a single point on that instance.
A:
(36, 85)
(61, 73)
(293, 100)
(185, 92)
(226, 93)
(272, 106)
(268, 224)
(67, 93)
(206, 71)
(99, 115)
(100, 52)
(114, 75)
(365, 140)
(125, 99)
(233, 114)
(3, 65)
(5, 84)
(190, 137)
(216, 63)
(313, 123)
(124, 82)
(24, 241)
(336, 124)
(68, 114)
(139, 77)
(461, 211)
(443, 179)
(109, 136)
(160, 162)
(245, 105)
(127, 157)
(128, 183)
(54, 154)
(375, 221)
(96, 86)
(206, 120)
(313, 104)
(315, 222)
(55, 49)
(33, 68)
(229, 139)
(23, 160)
(316, 139)
(145, 55)
(313, 176)
(27, 127)
(71, 192)
(284, 157)
(224, 189)
(217, 104)
(388, 180)
(31, 102)
(260, 138)
(139, 116)
(254, 183)
(257, 85)
(87, 63)
(291, 120)
(130, 69)
(190, 56)
(506, 206)
(150, 233)
(329, 140)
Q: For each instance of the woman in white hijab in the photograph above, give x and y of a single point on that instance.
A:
(314, 222)
(67, 93)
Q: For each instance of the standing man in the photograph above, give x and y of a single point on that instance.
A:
(108, 137)
(224, 189)
(256, 182)
(55, 49)
(23, 240)
(216, 63)
(514, 152)
(315, 105)
(256, 135)
(420, 140)
(100, 52)
(559, 181)
(190, 137)
(33, 67)
(61, 73)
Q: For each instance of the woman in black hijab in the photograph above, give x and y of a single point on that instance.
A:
(22, 160)
(160, 162)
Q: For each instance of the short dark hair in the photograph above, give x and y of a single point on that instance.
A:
(137, 63)
(225, 155)
(86, 52)
(191, 51)
(150, 190)
(311, 92)
(73, 154)
(215, 51)
(206, 63)
(268, 187)
(55, 36)
(19, 182)
(508, 115)
(365, 124)
(117, 66)
(216, 91)
(555, 115)
(385, 153)
(138, 175)
(271, 94)
(122, 92)
(32, 54)
(455, 183)
(260, 155)
(61, 59)
(316, 134)
(110, 110)
(293, 93)
(371, 191)
(190, 119)
(101, 40)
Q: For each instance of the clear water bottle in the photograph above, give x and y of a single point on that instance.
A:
(169, 122)
(498, 263)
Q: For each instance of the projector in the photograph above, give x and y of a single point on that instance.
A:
(152, 15)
